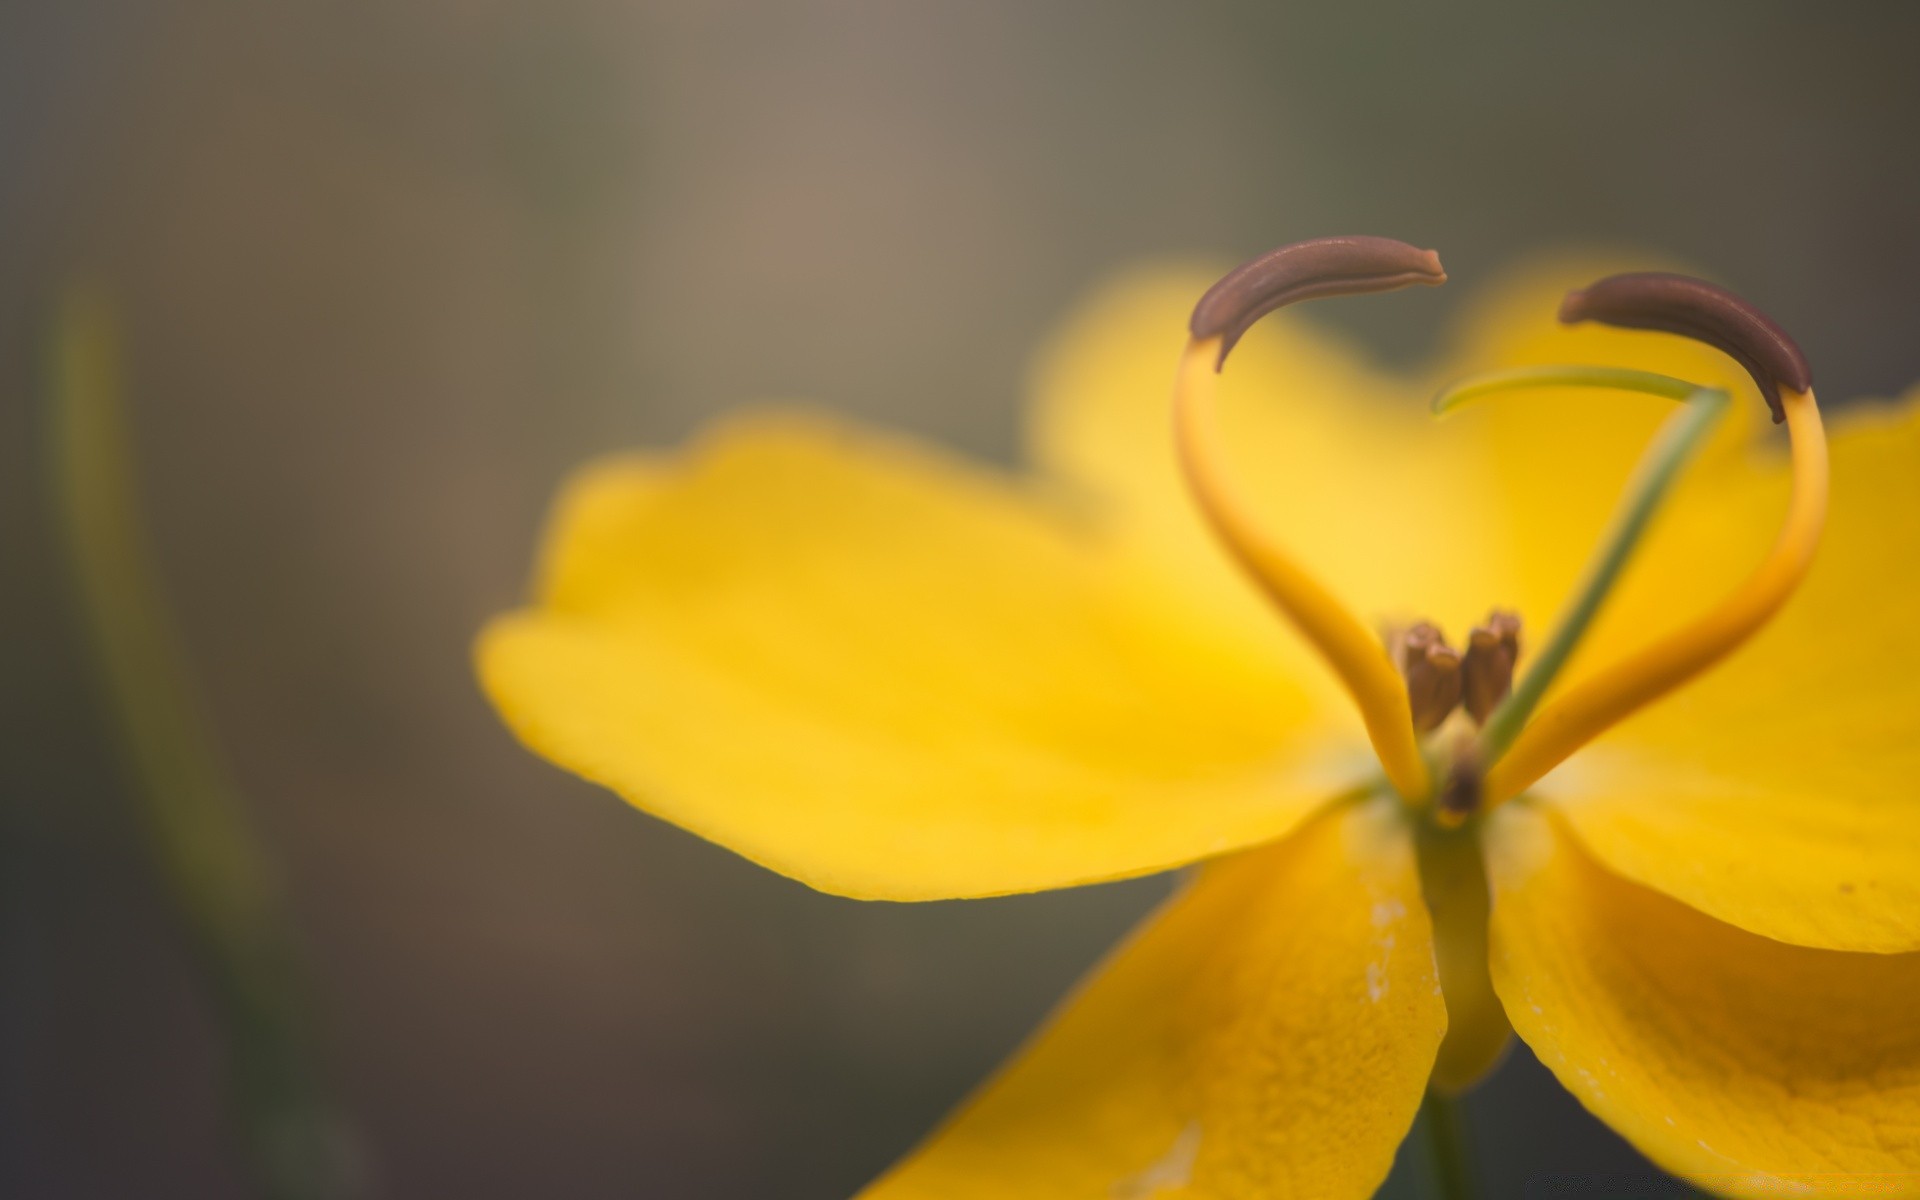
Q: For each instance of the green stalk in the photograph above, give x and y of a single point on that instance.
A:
(1449, 1145)
(206, 854)
(1677, 441)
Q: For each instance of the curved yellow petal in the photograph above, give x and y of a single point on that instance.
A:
(1747, 1066)
(889, 675)
(1267, 1035)
(1781, 792)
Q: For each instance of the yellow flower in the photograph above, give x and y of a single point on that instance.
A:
(893, 675)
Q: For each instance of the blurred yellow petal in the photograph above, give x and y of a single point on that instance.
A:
(889, 675)
(1748, 1066)
(1268, 1034)
(1778, 793)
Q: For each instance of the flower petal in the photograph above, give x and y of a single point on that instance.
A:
(1748, 1066)
(1267, 1034)
(1778, 792)
(888, 675)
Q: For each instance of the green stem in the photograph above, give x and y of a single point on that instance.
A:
(1449, 1144)
(204, 848)
(1671, 449)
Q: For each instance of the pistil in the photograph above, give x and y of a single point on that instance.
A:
(1672, 448)
(1592, 707)
(1691, 308)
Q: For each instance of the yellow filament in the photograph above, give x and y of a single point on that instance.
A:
(1353, 651)
(1589, 708)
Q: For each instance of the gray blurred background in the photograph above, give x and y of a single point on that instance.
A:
(388, 268)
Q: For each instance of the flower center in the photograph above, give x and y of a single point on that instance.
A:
(1410, 691)
(1440, 678)
(1441, 681)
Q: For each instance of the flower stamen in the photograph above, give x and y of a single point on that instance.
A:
(1689, 307)
(1487, 672)
(1662, 302)
(1301, 271)
(1432, 671)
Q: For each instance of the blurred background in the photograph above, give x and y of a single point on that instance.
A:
(386, 269)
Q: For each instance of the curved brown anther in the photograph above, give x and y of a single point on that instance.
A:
(1487, 671)
(1432, 671)
(1310, 270)
(1694, 308)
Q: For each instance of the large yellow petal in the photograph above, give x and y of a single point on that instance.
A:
(1781, 792)
(889, 675)
(1748, 1066)
(1267, 1035)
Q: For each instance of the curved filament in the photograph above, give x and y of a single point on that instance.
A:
(1352, 649)
(1594, 705)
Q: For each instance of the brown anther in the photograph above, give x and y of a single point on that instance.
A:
(1432, 671)
(1335, 266)
(1461, 792)
(1487, 671)
(1696, 309)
